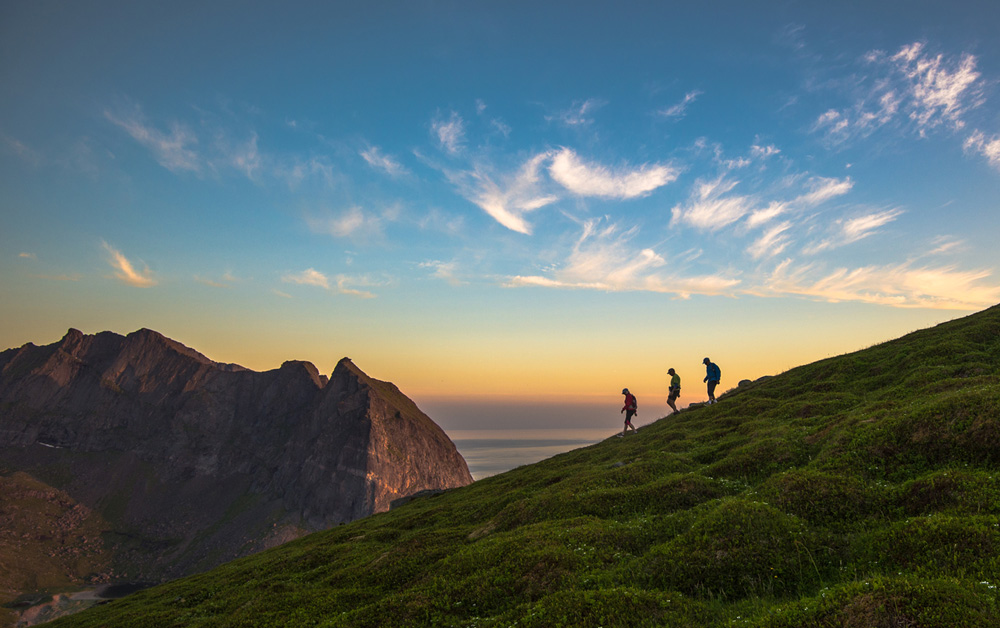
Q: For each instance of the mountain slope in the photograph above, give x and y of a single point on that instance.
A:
(858, 491)
(188, 463)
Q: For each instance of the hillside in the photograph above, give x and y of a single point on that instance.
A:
(859, 491)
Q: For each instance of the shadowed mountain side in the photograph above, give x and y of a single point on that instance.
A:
(860, 491)
(192, 463)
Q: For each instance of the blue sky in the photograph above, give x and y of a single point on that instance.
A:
(489, 200)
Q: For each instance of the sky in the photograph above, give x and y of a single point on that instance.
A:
(516, 205)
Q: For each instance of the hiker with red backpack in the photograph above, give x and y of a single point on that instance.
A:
(630, 410)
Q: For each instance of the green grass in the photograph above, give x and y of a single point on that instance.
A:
(859, 491)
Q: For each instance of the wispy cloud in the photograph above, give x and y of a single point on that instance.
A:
(585, 179)
(27, 255)
(126, 271)
(899, 285)
(945, 245)
(931, 90)
(342, 284)
(579, 114)
(450, 133)
(226, 281)
(346, 285)
(604, 259)
(849, 230)
(353, 222)
(772, 242)
(22, 150)
(942, 90)
(710, 207)
(822, 189)
(308, 277)
(507, 198)
(173, 150)
(763, 152)
(380, 161)
(680, 109)
(245, 158)
(987, 147)
(448, 271)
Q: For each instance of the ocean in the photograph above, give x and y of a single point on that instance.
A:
(492, 451)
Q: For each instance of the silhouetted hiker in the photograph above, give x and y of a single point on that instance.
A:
(713, 374)
(675, 389)
(630, 410)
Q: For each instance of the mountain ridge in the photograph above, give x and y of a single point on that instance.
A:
(192, 462)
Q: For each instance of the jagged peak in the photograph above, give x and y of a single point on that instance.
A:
(309, 368)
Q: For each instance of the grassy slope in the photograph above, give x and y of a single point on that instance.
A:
(862, 490)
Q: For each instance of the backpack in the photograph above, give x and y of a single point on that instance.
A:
(635, 402)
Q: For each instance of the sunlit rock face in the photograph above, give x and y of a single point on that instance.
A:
(192, 462)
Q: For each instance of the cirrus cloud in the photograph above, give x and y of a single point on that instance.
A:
(587, 179)
(126, 271)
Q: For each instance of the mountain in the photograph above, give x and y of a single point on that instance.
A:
(861, 491)
(181, 463)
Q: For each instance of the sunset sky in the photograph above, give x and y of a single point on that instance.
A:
(500, 200)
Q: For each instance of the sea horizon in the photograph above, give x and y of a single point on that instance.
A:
(489, 452)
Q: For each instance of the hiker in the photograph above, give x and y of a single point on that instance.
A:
(630, 409)
(675, 389)
(713, 374)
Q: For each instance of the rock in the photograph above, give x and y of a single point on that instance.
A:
(743, 382)
(194, 463)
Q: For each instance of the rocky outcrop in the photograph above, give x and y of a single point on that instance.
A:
(192, 462)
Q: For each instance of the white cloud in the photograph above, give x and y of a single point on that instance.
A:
(508, 200)
(172, 150)
(342, 284)
(376, 159)
(678, 110)
(586, 179)
(987, 147)
(27, 255)
(760, 216)
(931, 90)
(710, 208)
(900, 285)
(847, 231)
(603, 259)
(941, 91)
(763, 152)
(822, 189)
(450, 133)
(308, 277)
(771, 243)
(126, 271)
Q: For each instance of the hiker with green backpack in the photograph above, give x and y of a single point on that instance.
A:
(675, 389)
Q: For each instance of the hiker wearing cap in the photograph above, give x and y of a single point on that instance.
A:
(675, 389)
(713, 374)
(630, 410)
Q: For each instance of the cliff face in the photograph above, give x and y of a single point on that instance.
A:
(193, 463)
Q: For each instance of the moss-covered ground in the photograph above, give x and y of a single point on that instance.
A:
(859, 491)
